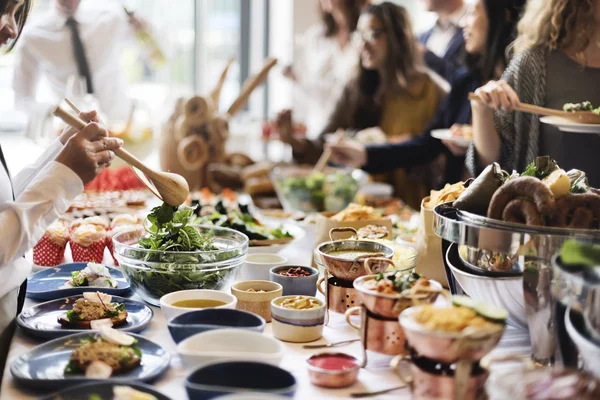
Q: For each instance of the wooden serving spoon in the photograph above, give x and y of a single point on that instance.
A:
(171, 188)
(324, 159)
(580, 117)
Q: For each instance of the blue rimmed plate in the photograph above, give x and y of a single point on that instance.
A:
(45, 284)
(42, 320)
(43, 367)
(101, 391)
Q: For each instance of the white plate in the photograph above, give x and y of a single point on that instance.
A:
(296, 230)
(569, 126)
(446, 134)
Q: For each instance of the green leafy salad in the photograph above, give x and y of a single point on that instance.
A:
(181, 258)
(583, 106)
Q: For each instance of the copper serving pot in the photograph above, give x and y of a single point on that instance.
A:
(340, 295)
(426, 385)
(377, 334)
(391, 305)
(350, 269)
(448, 347)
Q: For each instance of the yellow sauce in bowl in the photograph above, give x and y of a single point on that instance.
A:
(198, 303)
(300, 303)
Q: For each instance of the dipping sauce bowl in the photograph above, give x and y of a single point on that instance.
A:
(333, 370)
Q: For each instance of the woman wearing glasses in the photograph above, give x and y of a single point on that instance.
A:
(391, 91)
(40, 194)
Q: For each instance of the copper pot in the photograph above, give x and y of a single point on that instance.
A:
(391, 305)
(340, 295)
(427, 385)
(351, 269)
(378, 334)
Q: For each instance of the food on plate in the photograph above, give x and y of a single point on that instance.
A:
(316, 191)
(584, 210)
(462, 131)
(559, 183)
(50, 250)
(372, 232)
(583, 106)
(300, 303)
(109, 200)
(125, 219)
(106, 354)
(399, 282)
(476, 317)
(243, 221)
(129, 393)
(479, 192)
(356, 212)
(351, 255)
(198, 303)
(447, 194)
(94, 307)
(580, 254)
(94, 275)
(371, 136)
(294, 272)
(522, 210)
(88, 242)
(178, 251)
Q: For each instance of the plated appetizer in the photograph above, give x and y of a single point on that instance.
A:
(94, 311)
(93, 275)
(106, 354)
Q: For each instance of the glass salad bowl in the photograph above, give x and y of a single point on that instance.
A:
(154, 273)
(299, 188)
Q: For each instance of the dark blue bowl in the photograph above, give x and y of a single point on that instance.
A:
(223, 378)
(188, 324)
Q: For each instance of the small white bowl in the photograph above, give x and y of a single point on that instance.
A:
(229, 345)
(257, 266)
(170, 311)
(297, 326)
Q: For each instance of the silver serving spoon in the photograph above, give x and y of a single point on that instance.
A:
(371, 394)
(328, 345)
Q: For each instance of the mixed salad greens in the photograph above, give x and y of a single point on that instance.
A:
(243, 221)
(317, 192)
(180, 252)
(543, 166)
(583, 106)
(401, 281)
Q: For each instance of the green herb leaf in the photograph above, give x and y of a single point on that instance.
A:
(580, 254)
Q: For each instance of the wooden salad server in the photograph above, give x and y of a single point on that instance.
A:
(580, 117)
(251, 84)
(171, 188)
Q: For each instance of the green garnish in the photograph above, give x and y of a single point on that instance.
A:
(401, 281)
(580, 254)
(583, 106)
(72, 316)
(72, 368)
(541, 167)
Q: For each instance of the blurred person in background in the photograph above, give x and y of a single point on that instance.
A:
(392, 92)
(486, 43)
(75, 40)
(38, 195)
(443, 45)
(325, 60)
(557, 61)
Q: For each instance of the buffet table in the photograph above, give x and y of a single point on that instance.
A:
(377, 375)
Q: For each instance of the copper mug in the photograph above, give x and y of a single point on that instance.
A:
(431, 386)
(339, 294)
(378, 334)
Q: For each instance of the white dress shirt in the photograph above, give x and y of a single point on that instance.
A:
(45, 49)
(443, 32)
(43, 193)
(322, 69)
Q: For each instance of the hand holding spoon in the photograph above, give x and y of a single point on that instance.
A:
(171, 188)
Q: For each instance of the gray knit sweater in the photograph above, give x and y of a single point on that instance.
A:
(519, 132)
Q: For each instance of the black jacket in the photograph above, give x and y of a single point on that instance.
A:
(448, 65)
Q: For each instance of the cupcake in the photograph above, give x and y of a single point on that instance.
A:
(97, 220)
(121, 222)
(88, 242)
(50, 250)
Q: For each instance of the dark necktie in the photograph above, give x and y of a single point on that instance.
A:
(79, 51)
(23, 288)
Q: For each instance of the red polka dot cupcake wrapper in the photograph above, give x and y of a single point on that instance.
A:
(92, 253)
(111, 248)
(46, 253)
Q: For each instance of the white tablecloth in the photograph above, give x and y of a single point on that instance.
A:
(376, 376)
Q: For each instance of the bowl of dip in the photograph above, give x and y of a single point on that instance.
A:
(177, 303)
(297, 319)
(296, 280)
(256, 296)
(333, 370)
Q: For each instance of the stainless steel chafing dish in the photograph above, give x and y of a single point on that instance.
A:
(530, 247)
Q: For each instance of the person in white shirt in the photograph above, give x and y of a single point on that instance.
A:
(75, 39)
(39, 194)
(443, 44)
(325, 60)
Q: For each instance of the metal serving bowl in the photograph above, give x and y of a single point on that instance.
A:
(351, 269)
(389, 305)
(447, 347)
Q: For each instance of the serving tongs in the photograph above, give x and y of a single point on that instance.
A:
(580, 117)
(171, 188)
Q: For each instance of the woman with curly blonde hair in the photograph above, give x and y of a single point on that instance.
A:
(557, 61)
